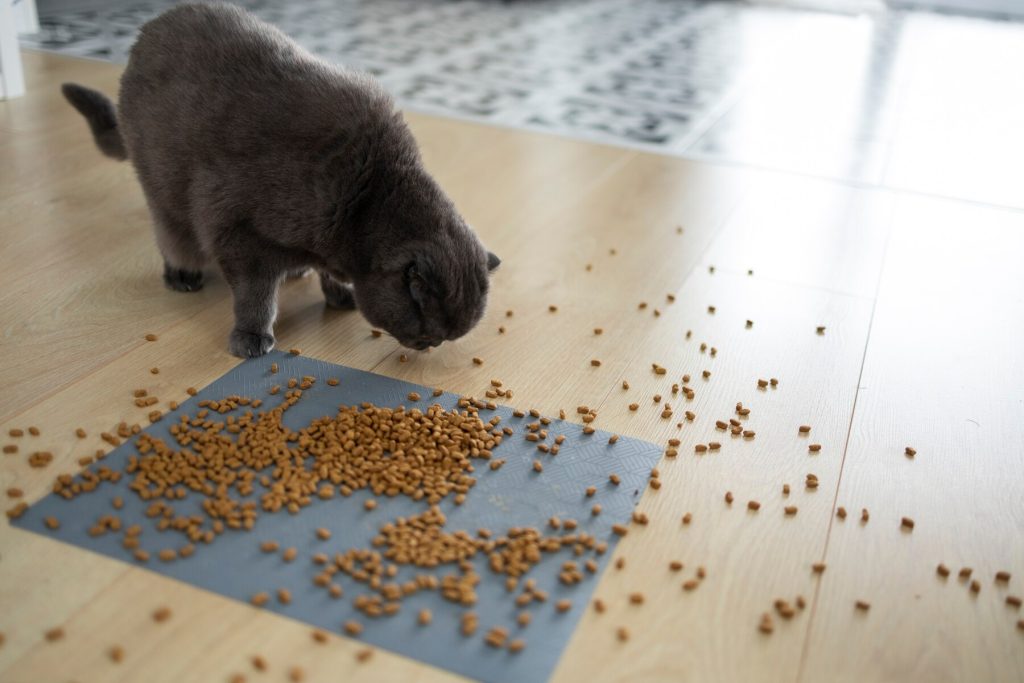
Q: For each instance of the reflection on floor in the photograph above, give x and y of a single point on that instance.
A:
(910, 100)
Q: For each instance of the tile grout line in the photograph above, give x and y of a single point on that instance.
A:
(846, 447)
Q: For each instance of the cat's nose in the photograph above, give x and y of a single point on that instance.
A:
(421, 344)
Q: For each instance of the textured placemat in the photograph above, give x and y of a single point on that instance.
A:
(512, 496)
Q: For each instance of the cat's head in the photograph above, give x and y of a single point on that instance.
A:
(419, 272)
(428, 291)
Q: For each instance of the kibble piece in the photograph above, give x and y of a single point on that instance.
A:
(820, 329)
(289, 554)
(269, 546)
(814, 447)
(728, 497)
(323, 534)
(614, 479)
(690, 584)
(155, 371)
(975, 586)
(51, 523)
(260, 599)
(116, 654)
(1013, 601)
(54, 634)
(790, 510)
(804, 429)
(370, 504)
(766, 626)
(353, 628)
(841, 512)
(965, 573)
(1003, 577)
(161, 614)
(622, 633)
(16, 432)
(563, 605)
(942, 570)
(636, 598)
(910, 452)
(259, 663)
(424, 617)
(34, 431)
(907, 523)
(478, 361)
(413, 396)
(517, 645)
(863, 605)
(296, 674)
(284, 596)
(818, 567)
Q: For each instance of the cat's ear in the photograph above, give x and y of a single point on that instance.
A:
(492, 261)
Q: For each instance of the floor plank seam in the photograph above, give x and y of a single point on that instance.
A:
(846, 445)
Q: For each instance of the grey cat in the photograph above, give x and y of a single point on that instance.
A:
(265, 160)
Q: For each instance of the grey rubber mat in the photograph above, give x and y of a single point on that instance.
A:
(513, 496)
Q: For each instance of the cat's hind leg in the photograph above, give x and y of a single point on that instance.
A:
(338, 294)
(181, 279)
(183, 256)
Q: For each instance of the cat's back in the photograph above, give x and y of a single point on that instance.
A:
(193, 41)
(215, 68)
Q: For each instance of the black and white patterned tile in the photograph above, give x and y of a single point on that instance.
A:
(577, 67)
(805, 91)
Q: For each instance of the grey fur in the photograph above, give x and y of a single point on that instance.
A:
(259, 157)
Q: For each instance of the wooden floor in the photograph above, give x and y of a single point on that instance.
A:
(923, 303)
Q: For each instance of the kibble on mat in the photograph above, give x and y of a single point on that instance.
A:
(234, 565)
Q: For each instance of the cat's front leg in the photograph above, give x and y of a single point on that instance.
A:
(255, 298)
(337, 294)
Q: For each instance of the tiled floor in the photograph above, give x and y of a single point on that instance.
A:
(910, 100)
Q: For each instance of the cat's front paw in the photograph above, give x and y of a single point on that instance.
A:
(250, 344)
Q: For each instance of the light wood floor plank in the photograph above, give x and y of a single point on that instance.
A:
(943, 374)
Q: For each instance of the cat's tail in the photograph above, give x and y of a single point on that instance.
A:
(98, 110)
